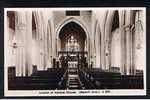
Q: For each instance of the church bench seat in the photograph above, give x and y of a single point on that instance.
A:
(85, 81)
(31, 83)
(38, 80)
(112, 80)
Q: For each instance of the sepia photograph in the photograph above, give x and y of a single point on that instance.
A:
(75, 51)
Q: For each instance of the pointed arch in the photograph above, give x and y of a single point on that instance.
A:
(63, 23)
(68, 20)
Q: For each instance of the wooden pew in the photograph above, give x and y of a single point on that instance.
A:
(39, 80)
(110, 80)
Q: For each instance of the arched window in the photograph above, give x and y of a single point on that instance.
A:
(72, 44)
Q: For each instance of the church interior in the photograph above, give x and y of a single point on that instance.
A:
(75, 49)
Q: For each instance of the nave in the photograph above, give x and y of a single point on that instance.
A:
(93, 49)
(75, 78)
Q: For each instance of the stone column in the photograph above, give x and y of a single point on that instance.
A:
(101, 16)
(35, 13)
(49, 63)
(20, 29)
(46, 48)
(91, 47)
(123, 50)
(128, 24)
(102, 52)
(128, 49)
(89, 55)
(45, 22)
(122, 42)
(41, 67)
(133, 69)
(102, 47)
(97, 46)
(23, 29)
(54, 44)
(28, 43)
(107, 54)
(38, 16)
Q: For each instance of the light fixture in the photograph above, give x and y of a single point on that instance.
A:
(14, 45)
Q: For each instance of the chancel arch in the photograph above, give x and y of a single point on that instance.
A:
(76, 23)
(72, 33)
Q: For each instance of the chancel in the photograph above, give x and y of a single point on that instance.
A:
(82, 49)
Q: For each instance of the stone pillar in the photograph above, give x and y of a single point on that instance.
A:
(9, 47)
(45, 25)
(123, 50)
(23, 29)
(41, 65)
(97, 46)
(107, 54)
(128, 49)
(35, 13)
(20, 29)
(90, 45)
(38, 16)
(54, 45)
(58, 45)
(133, 69)
(89, 56)
(28, 43)
(45, 49)
(91, 48)
(102, 20)
(128, 25)
(102, 51)
(101, 16)
(138, 51)
(122, 42)
(108, 27)
(49, 62)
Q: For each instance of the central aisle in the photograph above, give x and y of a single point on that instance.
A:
(73, 76)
